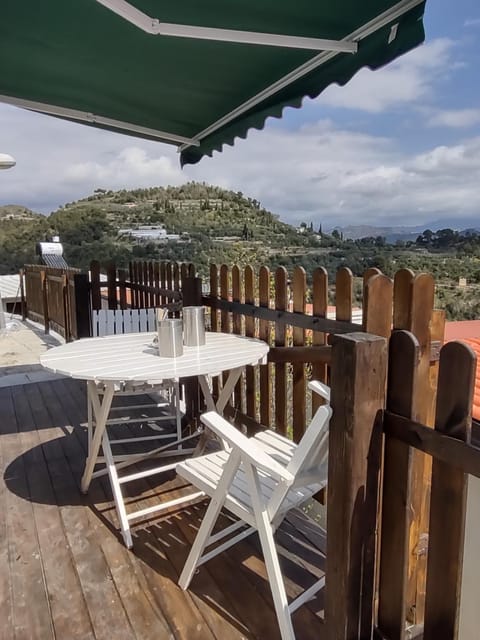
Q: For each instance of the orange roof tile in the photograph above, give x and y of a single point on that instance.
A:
(468, 332)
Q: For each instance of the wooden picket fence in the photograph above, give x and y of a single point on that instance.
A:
(448, 444)
(143, 285)
(372, 455)
(273, 308)
(48, 297)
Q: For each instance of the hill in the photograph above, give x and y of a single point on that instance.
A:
(209, 224)
(17, 212)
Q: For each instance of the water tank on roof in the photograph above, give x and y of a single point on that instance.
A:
(51, 254)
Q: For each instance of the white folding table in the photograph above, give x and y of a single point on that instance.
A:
(130, 358)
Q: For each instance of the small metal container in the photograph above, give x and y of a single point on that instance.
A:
(170, 338)
(193, 326)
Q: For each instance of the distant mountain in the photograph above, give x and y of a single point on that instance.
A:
(394, 234)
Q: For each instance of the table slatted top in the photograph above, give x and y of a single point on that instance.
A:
(134, 357)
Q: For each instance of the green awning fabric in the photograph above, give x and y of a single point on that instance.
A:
(103, 62)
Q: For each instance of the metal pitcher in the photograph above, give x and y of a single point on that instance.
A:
(170, 338)
(193, 326)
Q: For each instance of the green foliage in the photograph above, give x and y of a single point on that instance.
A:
(221, 226)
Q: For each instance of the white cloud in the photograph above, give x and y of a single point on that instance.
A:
(318, 172)
(455, 118)
(410, 79)
(131, 163)
(472, 22)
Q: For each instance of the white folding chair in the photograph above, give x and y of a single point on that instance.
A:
(258, 480)
(163, 399)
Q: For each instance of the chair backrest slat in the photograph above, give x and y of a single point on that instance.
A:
(118, 321)
(106, 322)
(313, 447)
(308, 462)
(127, 321)
(142, 319)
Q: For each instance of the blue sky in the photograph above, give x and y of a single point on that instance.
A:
(398, 146)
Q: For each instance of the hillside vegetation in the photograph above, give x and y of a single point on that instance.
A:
(215, 225)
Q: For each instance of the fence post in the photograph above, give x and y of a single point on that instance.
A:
(192, 292)
(43, 285)
(358, 375)
(66, 315)
(192, 296)
(112, 285)
(122, 289)
(23, 299)
(83, 312)
(95, 279)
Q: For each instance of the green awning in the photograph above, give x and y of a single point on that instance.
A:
(195, 73)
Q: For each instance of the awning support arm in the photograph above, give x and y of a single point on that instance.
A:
(155, 27)
(84, 116)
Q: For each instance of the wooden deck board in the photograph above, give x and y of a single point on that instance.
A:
(6, 595)
(64, 571)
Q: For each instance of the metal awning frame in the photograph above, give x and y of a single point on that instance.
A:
(359, 34)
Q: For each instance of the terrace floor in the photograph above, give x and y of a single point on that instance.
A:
(65, 574)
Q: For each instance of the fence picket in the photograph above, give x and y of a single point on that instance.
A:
(237, 329)
(344, 294)
(250, 378)
(319, 308)
(151, 283)
(112, 285)
(122, 291)
(176, 285)
(214, 313)
(299, 414)
(281, 304)
(95, 285)
(224, 292)
(415, 305)
(378, 305)
(456, 382)
(396, 512)
(265, 334)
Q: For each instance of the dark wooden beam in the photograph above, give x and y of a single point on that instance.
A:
(314, 323)
(300, 354)
(454, 452)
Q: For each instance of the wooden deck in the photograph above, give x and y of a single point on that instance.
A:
(65, 574)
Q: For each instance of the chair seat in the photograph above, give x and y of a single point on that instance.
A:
(205, 472)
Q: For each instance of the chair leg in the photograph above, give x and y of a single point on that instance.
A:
(117, 492)
(89, 423)
(209, 520)
(175, 401)
(270, 555)
(200, 542)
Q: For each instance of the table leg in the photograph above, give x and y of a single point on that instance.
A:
(228, 387)
(219, 406)
(226, 392)
(101, 409)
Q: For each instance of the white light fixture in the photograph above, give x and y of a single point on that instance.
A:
(6, 161)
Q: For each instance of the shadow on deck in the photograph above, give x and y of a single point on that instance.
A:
(65, 573)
